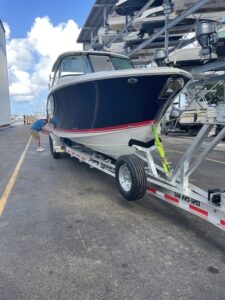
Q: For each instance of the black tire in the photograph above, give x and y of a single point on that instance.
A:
(54, 154)
(135, 168)
(193, 131)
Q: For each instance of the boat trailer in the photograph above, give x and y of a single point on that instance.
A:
(139, 173)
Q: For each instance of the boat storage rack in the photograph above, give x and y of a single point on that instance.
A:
(143, 172)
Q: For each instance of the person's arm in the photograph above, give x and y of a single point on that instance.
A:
(52, 126)
(52, 123)
(45, 130)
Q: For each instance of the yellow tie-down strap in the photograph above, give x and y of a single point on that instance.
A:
(161, 151)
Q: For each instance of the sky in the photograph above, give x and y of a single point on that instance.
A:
(36, 33)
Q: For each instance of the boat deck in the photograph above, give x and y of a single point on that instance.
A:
(67, 233)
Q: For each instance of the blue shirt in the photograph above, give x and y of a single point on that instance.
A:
(38, 125)
(53, 121)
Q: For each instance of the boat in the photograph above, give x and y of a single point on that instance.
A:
(155, 18)
(188, 57)
(214, 9)
(134, 39)
(211, 15)
(191, 56)
(153, 24)
(105, 35)
(116, 48)
(116, 22)
(136, 36)
(100, 101)
(154, 14)
(129, 7)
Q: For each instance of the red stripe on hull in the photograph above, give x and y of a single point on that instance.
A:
(105, 129)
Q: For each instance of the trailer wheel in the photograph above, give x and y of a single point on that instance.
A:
(193, 131)
(130, 177)
(54, 154)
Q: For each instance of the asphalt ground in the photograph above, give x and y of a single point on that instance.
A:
(67, 233)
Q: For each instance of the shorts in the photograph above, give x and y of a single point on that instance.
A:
(35, 134)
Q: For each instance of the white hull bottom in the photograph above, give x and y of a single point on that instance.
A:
(111, 143)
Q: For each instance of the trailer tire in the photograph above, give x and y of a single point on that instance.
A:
(54, 154)
(193, 131)
(130, 177)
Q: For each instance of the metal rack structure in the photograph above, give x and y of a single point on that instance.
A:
(143, 53)
(101, 9)
(168, 184)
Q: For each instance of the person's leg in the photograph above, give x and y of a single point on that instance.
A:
(35, 134)
(38, 141)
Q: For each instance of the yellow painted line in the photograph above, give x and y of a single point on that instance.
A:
(12, 180)
(210, 159)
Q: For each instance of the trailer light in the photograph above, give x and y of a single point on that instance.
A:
(215, 196)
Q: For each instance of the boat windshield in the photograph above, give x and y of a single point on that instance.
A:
(74, 65)
(121, 63)
(109, 63)
(101, 63)
(79, 64)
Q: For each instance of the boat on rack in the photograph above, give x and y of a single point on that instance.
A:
(117, 48)
(99, 100)
(191, 56)
(153, 15)
(129, 7)
(105, 35)
(188, 57)
(154, 18)
(116, 22)
(134, 39)
(124, 9)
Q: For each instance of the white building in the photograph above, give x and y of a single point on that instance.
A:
(4, 84)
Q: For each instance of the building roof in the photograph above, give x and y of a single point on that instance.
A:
(95, 19)
(2, 25)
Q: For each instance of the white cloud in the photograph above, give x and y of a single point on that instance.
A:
(19, 54)
(30, 59)
(55, 40)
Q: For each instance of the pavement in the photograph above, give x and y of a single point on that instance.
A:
(67, 233)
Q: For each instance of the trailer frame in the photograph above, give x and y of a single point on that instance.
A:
(175, 188)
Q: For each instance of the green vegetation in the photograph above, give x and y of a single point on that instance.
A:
(217, 96)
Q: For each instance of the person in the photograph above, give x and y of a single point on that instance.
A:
(37, 127)
(53, 122)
